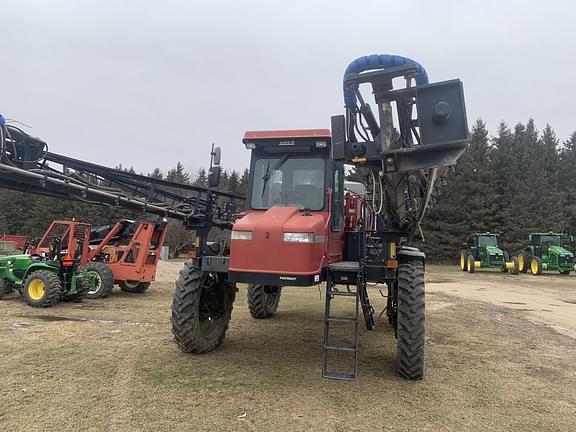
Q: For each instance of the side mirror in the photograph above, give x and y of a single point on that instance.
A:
(214, 177)
(216, 155)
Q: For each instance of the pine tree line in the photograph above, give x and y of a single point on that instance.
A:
(517, 182)
(232, 181)
(514, 183)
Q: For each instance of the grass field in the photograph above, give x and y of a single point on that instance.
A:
(111, 365)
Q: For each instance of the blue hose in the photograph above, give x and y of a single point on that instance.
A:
(375, 61)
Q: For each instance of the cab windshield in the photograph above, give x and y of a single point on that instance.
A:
(287, 181)
(487, 241)
(550, 240)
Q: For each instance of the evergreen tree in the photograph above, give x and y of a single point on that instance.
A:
(567, 184)
(233, 183)
(466, 201)
(202, 178)
(178, 174)
(157, 174)
(243, 186)
(223, 181)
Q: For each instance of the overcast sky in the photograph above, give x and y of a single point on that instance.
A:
(147, 83)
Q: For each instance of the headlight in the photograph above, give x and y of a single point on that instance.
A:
(241, 235)
(299, 237)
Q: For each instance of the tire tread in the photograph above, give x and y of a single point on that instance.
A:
(411, 320)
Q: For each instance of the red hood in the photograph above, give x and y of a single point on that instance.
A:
(267, 252)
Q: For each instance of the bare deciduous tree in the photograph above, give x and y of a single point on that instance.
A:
(178, 238)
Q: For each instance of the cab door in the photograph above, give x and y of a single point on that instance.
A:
(336, 230)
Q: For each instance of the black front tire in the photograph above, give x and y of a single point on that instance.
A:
(103, 280)
(263, 300)
(411, 327)
(134, 286)
(201, 310)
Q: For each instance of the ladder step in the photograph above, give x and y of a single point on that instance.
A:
(342, 293)
(341, 319)
(339, 376)
(340, 347)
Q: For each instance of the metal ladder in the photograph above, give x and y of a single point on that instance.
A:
(334, 271)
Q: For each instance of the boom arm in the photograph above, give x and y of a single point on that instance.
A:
(26, 165)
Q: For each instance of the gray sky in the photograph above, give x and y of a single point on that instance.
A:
(147, 83)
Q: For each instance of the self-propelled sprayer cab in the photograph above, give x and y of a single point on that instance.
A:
(287, 235)
(300, 227)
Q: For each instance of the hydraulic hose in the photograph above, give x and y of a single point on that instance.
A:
(375, 62)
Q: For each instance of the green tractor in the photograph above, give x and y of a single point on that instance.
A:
(44, 280)
(546, 253)
(482, 251)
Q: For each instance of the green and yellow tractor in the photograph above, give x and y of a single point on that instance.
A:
(482, 252)
(546, 253)
(44, 280)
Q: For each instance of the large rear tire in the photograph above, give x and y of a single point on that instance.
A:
(411, 330)
(523, 262)
(42, 288)
(463, 261)
(263, 300)
(504, 268)
(201, 310)
(134, 286)
(516, 266)
(471, 264)
(102, 279)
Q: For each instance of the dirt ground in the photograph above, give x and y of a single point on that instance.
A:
(500, 357)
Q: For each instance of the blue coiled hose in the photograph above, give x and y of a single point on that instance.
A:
(374, 62)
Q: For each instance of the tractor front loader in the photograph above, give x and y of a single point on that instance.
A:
(301, 228)
(482, 252)
(546, 253)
